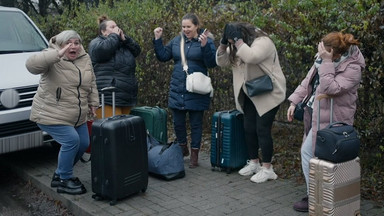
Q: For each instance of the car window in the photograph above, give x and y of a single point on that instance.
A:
(17, 34)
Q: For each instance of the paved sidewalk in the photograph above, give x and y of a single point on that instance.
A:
(201, 192)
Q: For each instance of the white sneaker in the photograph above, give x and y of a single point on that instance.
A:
(264, 175)
(250, 168)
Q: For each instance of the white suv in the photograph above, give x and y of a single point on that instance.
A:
(19, 39)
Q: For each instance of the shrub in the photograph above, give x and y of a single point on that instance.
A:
(296, 26)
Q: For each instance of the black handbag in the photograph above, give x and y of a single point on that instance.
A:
(298, 114)
(259, 85)
(338, 142)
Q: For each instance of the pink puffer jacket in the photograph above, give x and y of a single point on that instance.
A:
(341, 83)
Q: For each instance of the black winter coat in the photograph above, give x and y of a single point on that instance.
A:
(199, 59)
(115, 65)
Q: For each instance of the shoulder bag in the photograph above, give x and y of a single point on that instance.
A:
(338, 142)
(196, 82)
(298, 114)
(261, 84)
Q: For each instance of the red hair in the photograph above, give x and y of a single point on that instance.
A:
(339, 42)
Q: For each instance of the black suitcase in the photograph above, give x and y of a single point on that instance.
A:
(228, 149)
(119, 166)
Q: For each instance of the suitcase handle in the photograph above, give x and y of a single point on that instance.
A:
(103, 90)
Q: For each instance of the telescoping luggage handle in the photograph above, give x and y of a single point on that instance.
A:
(318, 110)
(108, 89)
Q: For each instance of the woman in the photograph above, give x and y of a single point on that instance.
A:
(336, 72)
(199, 52)
(252, 54)
(66, 93)
(113, 56)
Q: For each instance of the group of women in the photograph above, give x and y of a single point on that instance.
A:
(71, 80)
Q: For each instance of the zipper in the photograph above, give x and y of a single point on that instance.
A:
(58, 94)
(78, 94)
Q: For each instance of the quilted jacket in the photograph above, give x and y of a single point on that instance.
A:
(199, 59)
(66, 90)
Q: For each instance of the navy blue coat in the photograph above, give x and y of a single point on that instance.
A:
(114, 64)
(199, 59)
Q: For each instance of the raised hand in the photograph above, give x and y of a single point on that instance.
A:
(224, 38)
(64, 49)
(203, 38)
(233, 33)
(121, 34)
(158, 32)
(323, 52)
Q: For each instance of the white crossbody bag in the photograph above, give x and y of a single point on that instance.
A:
(196, 82)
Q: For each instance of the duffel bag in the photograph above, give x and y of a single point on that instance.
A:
(165, 161)
(338, 143)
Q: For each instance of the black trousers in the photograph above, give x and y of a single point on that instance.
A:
(258, 131)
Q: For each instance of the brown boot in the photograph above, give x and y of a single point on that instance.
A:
(194, 158)
(184, 149)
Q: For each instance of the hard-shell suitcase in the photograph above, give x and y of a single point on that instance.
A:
(334, 188)
(119, 166)
(228, 149)
(155, 119)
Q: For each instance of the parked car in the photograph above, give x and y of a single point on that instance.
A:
(19, 39)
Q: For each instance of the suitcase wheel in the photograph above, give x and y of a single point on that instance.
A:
(228, 170)
(144, 189)
(97, 197)
(113, 202)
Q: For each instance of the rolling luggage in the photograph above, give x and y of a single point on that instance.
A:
(155, 119)
(228, 149)
(334, 188)
(119, 166)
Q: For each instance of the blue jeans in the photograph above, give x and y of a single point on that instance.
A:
(73, 140)
(306, 155)
(196, 123)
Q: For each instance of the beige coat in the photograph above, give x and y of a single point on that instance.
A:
(75, 80)
(259, 59)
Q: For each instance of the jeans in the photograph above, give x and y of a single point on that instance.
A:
(196, 123)
(258, 131)
(306, 155)
(73, 140)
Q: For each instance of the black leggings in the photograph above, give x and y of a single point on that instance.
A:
(258, 131)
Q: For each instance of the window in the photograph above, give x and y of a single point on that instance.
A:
(17, 34)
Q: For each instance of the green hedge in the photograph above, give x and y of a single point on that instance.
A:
(295, 26)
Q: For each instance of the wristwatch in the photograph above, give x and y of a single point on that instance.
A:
(235, 39)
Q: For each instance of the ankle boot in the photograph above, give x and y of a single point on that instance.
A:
(194, 158)
(184, 149)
